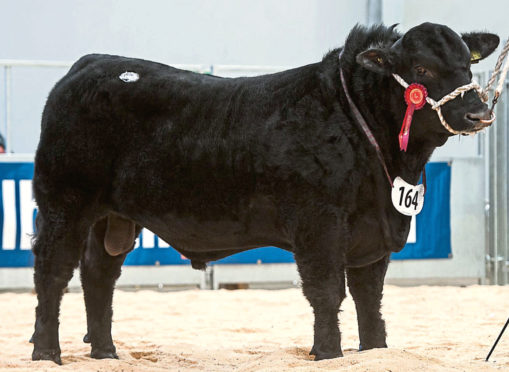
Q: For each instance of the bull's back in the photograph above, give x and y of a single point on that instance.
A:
(169, 130)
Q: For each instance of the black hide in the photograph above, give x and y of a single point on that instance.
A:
(216, 166)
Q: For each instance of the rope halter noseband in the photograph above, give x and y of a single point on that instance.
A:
(458, 91)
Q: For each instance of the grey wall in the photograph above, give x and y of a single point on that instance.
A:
(460, 15)
(283, 32)
(262, 32)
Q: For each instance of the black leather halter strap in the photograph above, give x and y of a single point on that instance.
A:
(365, 128)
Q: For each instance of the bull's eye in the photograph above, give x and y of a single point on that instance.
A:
(421, 71)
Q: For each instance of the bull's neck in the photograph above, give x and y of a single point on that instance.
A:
(384, 111)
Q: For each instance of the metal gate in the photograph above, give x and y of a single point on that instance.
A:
(497, 208)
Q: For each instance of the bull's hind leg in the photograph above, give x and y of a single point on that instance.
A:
(320, 263)
(57, 247)
(366, 286)
(99, 272)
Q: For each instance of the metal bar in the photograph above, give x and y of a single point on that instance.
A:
(191, 67)
(502, 169)
(233, 69)
(67, 64)
(4, 127)
(485, 153)
(505, 187)
(494, 204)
(491, 169)
(16, 158)
(8, 77)
(374, 12)
(260, 68)
(32, 63)
(499, 204)
(196, 68)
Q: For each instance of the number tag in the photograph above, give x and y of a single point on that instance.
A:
(406, 198)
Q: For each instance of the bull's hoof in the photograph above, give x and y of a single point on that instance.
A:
(86, 339)
(103, 354)
(321, 355)
(369, 347)
(47, 354)
(313, 350)
(31, 339)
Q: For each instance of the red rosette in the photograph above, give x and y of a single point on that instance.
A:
(416, 94)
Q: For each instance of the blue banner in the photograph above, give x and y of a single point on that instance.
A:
(430, 235)
(433, 224)
(17, 214)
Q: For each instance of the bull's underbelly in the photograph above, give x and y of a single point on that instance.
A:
(201, 237)
(210, 229)
(192, 235)
(207, 238)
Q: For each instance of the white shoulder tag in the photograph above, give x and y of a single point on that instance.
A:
(406, 198)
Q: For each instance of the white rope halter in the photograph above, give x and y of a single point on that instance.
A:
(498, 70)
(460, 90)
(483, 94)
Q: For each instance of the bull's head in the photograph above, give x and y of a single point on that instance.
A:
(438, 58)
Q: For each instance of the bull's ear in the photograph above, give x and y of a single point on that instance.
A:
(481, 44)
(376, 60)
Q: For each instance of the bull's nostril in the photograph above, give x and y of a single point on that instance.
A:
(473, 117)
(480, 119)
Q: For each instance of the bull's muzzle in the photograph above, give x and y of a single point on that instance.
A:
(481, 119)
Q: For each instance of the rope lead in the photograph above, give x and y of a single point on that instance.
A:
(483, 93)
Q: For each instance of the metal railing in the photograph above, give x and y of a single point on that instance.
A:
(9, 64)
(497, 201)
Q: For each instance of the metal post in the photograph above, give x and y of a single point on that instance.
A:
(8, 77)
(505, 254)
(495, 205)
(484, 153)
(498, 250)
(374, 12)
(501, 190)
(491, 169)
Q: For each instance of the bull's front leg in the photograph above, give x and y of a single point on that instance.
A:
(321, 266)
(366, 286)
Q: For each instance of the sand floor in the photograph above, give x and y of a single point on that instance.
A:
(429, 329)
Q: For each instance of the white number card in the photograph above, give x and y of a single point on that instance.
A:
(407, 199)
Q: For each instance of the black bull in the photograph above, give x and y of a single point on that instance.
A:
(216, 166)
